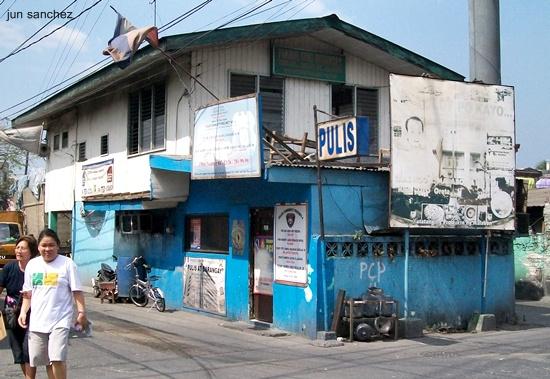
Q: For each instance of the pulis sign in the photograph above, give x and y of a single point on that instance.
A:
(343, 138)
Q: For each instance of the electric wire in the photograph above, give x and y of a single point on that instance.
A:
(243, 16)
(52, 32)
(17, 49)
(51, 77)
(8, 8)
(86, 39)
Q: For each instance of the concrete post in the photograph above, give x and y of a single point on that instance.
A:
(484, 41)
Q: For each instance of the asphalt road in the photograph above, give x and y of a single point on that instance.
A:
(131, 342)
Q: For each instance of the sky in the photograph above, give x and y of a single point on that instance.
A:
(435, 29)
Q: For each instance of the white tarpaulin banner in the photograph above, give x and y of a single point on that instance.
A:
(28, 138)
(452, 154)
(98, 178)
(226, 143)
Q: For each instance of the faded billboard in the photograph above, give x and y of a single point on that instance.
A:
(452, 154)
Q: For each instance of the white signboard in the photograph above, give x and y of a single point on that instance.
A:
(452, 154)
(204, 284)
(343, 138)
(226, 140)
(97, 178)
(263, 265)
(291, 244)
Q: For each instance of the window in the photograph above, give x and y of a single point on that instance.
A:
(136, 222)
(271, 90)
(353, 101)
(82, 151)
(56, 142)
(207, 233)
(104, 145)
(65, 140)
(146, 119)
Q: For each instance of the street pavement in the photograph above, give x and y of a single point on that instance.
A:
(132, 342)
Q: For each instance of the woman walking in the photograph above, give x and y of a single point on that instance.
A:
(11, 278)
(51, 284)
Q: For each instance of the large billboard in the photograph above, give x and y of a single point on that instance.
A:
(226, 140)
(452, 154)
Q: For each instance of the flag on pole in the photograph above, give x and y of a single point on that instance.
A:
(31, 139)
(126, 41)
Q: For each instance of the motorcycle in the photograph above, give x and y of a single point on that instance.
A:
(104, 274)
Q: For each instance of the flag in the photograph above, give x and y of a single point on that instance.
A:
(126, 41)
(30, 139)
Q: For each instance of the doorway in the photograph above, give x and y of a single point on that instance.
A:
(261, 264)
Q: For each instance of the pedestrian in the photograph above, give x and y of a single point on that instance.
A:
(51, 284)
(11, 278)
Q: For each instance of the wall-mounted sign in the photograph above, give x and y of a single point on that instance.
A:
(452, 154)
(98, 178)
(263, 265)
(291, 244)
(343, 138)
(204, 284)
(226, 141)
(308, 64)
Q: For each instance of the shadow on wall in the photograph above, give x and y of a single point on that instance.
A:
(94, 221)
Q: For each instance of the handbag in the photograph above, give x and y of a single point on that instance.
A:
(11, 313)
(2, 328)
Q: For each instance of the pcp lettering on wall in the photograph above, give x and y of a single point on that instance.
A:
(372, 271)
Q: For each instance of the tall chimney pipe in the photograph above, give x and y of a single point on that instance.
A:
(484, 41)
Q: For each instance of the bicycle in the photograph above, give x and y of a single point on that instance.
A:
(142, 290)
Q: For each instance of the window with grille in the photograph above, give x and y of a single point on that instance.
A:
(271, 90)
(146, 119)
(104, 145)
(82, 151)
(354, 101)
(56, 142)
(65, 140)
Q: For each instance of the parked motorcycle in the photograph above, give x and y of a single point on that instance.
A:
(104, 274)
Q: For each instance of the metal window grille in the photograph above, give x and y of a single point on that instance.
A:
(65, 140)
(272, 91)
(56, 142)
(82, 151)
(147, 119)
(104, 145)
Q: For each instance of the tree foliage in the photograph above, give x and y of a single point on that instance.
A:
(541, 166)
(12, 161)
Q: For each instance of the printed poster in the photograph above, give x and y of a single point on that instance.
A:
(291, 244)
(263, 265)
(204, 284)
(452, 154)
(97, 178)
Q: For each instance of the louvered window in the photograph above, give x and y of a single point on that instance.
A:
(146, 119)
(82, 151)
(353, 101)
(104, 145)
(271, 90)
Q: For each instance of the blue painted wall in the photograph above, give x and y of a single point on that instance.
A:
(442, 289)
(93, 236)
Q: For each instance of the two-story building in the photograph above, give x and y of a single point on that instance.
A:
(121, 161)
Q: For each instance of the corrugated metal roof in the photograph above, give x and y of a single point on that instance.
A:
(538, 197)
(333, 166)
(330, 29)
